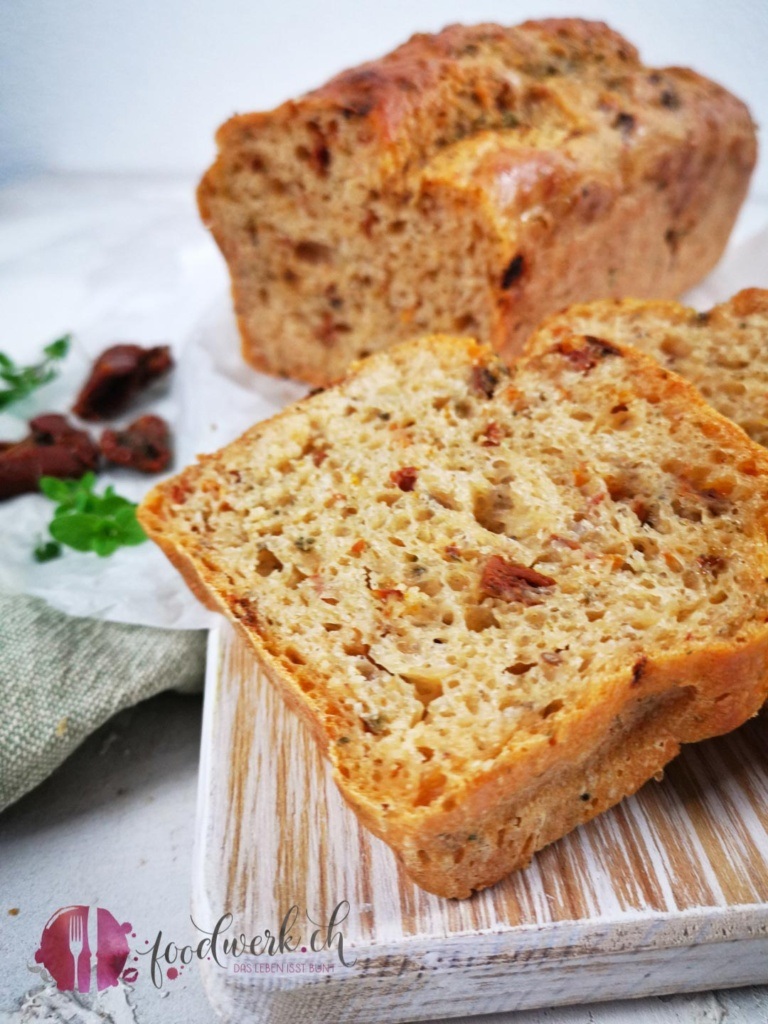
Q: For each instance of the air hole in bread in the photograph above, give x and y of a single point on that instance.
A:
(674, 346)
(552, 708)
(457, 581)
(466, 324)
(520, 668)
(490, 507)
(445, 500)
(478, 618)
(430, 788)
(267, 563)
(294, 656)
(313, 252)
(426, 688)
(295, 577)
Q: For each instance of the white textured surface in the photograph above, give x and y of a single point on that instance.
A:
(113, 827)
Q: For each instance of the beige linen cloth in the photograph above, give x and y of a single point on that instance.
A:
(62, 677)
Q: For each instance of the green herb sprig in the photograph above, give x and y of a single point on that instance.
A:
(21, 381)
(90, 522)
(46, 550)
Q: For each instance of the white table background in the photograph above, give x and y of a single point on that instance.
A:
(114, 825)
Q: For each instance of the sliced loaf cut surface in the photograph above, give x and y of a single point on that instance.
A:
(724, 351)
(471, 181)
(501, 601)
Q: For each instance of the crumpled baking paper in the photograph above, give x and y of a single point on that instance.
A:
(212, 398)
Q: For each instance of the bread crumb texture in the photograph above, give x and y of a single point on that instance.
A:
(500, 599)
(471, 181)
(723, 351)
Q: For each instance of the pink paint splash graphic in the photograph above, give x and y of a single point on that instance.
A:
(65, 949)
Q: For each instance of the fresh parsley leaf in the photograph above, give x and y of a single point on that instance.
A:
(87, 521)
(76, 529)
(47, 550)
(130, 529)
(58, 490)
(58, 349)
(21, 381)
(105, 545)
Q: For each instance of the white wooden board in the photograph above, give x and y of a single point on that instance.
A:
(666, 893)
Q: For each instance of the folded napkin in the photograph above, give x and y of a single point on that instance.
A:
(62, 677)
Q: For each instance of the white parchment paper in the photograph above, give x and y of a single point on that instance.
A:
(211, 398)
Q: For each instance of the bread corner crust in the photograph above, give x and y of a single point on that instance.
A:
(679, 700)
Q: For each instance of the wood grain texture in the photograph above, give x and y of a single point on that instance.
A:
(666, 893)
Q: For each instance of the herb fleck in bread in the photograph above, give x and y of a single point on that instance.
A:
(501, 601)
(724, 352)
(472, 181)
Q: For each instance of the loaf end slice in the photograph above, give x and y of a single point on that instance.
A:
(501, 600)
(723, 351)
(472, 181)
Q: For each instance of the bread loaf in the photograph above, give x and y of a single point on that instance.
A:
(724, 351)
(501, 600)
(471, 182)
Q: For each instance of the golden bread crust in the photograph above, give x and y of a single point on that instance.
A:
(471, 181)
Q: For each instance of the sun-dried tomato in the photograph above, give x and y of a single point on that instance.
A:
(483, 381)
(584, 353)
(492, 435)
(144, 445)
(53, 448)
(117, 375)
(405, 478)
(509, 581)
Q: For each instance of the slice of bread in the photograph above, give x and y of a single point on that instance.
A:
(501, 600)
(724, 352)
(472, 181)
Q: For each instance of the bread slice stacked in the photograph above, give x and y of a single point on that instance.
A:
(500, 599)
(472, 181)
(724, 351)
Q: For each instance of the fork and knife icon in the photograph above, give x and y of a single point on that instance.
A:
(84, 926)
